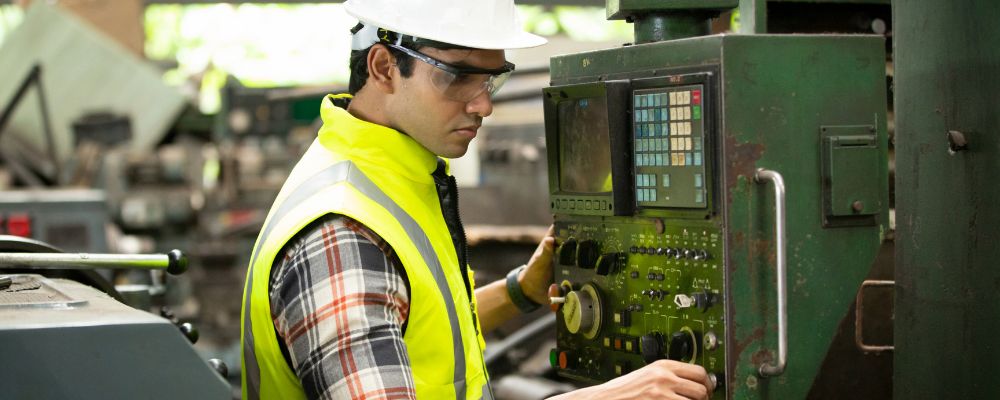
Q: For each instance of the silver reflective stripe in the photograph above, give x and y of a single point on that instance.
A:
(423, 244)
(321, 180)
(339, 172)
(487, 393)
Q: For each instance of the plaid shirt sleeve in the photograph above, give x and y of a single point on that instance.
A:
(339, 301)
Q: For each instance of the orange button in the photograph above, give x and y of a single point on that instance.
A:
(554, 291)
(563, 361)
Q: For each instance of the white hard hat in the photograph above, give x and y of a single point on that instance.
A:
(479, 24)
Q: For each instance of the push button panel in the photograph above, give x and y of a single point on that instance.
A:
(669, 149)
(653, 292)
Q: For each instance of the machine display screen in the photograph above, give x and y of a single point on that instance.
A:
(584, 146)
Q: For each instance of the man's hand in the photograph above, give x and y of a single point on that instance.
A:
(536, 278)
(663, 379)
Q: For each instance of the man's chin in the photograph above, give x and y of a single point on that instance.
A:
(455, 153)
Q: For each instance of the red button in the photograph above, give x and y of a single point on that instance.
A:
(19, 225)
(563, 361)
(695, 97)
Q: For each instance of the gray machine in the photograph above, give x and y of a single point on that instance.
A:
(62, 339)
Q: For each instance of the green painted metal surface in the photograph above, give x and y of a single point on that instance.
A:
(775, 93)
(947, 280)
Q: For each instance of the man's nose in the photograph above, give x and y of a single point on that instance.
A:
(481, 105)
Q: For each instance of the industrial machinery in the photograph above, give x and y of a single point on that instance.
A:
(117, 351)
(718, 199)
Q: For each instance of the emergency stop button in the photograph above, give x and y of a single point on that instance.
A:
(19, 225)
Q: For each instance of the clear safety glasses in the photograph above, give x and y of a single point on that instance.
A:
(461, 83)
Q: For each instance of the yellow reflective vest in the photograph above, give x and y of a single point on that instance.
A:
(381, 178)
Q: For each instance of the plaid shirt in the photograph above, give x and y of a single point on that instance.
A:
(339, 301)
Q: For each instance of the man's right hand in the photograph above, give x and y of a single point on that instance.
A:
(663, 379)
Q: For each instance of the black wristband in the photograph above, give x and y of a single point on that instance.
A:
(517, 296)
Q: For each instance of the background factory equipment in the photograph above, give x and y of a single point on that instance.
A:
(794, 194)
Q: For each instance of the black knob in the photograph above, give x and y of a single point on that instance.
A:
(704, 300)
(660, 251)
(688, 253)
(651, 345)
(177, 262)
(681, 346)
(700, 255)
(587, 253)
(607, 263)
(567, 252)
(189, 331)
(219, 367)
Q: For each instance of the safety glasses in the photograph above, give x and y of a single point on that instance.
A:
(461, 83)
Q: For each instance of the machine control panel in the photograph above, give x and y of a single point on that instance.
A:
(631, 296)
(645, 280)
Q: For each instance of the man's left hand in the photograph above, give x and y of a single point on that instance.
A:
(536, 278)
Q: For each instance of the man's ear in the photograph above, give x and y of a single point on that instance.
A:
(380, 66)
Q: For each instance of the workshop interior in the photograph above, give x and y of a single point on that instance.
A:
(793, 194)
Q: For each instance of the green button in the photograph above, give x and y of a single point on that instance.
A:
(554, 358)
(696, 112)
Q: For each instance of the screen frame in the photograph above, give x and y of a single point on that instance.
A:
(619, 201)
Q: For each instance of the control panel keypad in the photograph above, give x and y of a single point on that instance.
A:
(668, 134)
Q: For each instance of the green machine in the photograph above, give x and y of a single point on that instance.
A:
(718, 199)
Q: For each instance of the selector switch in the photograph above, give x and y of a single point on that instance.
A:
(651, 347)
(566, 253)
(607, 263)
(704, 300)
(683, 345)
(587, 254)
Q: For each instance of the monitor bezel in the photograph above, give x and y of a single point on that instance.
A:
(619, 201)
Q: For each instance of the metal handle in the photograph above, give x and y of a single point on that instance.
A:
(859, 311)
(174, 262)
(762, 176)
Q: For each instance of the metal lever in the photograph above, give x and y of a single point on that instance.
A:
(173, 262)
(762, 176)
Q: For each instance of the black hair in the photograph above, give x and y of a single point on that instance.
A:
(359, 66)
(359, 58)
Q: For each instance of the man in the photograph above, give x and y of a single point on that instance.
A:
(358, 285)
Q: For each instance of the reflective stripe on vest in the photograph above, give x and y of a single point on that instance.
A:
(340, 172)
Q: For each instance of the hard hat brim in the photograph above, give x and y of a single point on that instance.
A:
(518, 40)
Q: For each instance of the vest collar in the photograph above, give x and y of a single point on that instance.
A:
(381, 145)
